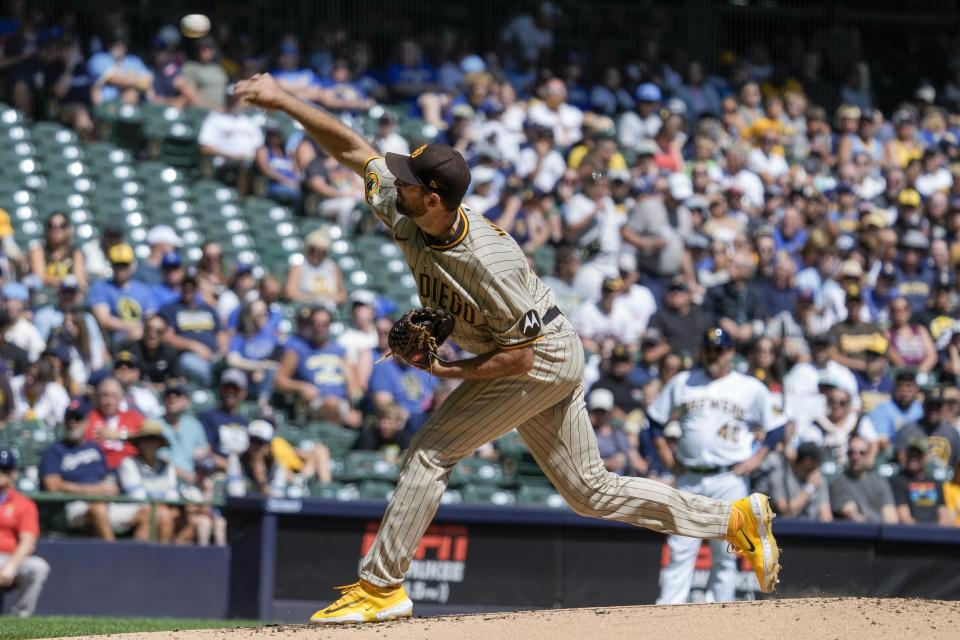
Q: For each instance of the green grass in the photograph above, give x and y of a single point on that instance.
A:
(61, 626)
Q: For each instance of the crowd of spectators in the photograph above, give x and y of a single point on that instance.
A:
(827, 243)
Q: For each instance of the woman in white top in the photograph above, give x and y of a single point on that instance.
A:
(36, 397)
(316, 280)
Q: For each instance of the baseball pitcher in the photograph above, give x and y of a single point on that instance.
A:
(528, 374)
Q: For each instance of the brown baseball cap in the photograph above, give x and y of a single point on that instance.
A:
(437, 167)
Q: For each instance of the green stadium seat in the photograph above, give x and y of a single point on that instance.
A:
(476, 471)
(485, 494)
(371, 465)
(338, 439)
(376, 490)
(540, 496)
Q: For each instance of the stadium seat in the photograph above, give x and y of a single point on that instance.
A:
(376, 490)
(540, 496)
(371, 465)
(338, 439)
(484, 494)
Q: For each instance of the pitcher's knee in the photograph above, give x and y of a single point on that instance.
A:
(585, 493)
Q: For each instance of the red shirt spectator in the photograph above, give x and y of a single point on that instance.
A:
(18, 515)
(111, 428)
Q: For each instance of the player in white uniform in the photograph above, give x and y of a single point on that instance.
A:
(718, 410)
(528, 374)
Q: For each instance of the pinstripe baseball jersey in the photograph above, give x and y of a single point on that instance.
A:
(481, 277)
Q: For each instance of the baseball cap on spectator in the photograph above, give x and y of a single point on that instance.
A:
(483, 174)
(888, 270)
(235, 377)
(8, 461)
(78, 409)
(679, 283)
(16, 291)
(6, 229)
(243, 268)
(843, 188)
(649, 92)
(69, 283)
(600, 400)
(127, 359)
(171, 260)
(875, 219)
(619, 175)
(903, 116)
(697, 241)
(646, 148)
(150, 429)
(920, 443)
(190, 276)
(651, 336)
(851, 269)
(914, 239)
(318, 239)
(822, 340)
(909, 198)
(676, 106)
(364, 297)
(697, 202)
(620, 354)
(260, 430)
(175, 386)
(473, 64)
(933, 397)
(680, 186)
(58, 350)
(163, 234)
(808, 450)
(464, 111)
(846, 243)
(906, 375)
(437, 167)
(121, 254)
(611, 285)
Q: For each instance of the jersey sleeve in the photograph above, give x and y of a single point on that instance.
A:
(512, 312)
(380, 193)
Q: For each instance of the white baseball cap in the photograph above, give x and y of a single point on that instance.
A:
(680, 186)
(163, 234)
(601, 399)
(261, 430)
(363, 296)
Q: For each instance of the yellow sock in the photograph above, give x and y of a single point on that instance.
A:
(735, 522)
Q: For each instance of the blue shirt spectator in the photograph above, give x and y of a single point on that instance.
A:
(888, 417)
(76, 462)
(220, 422)
(409, 387)
(121, 304)
(115, 70)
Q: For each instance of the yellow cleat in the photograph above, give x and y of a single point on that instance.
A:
(754, 539)
(364, 602)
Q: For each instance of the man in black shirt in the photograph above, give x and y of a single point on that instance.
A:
(627, 397)
(679, 321)
(919, 498)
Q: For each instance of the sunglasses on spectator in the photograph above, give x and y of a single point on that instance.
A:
(838, 403)
(859, 452)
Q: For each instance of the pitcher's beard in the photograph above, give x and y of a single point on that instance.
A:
(403, 209)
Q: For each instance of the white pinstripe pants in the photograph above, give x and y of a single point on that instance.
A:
(548, 409)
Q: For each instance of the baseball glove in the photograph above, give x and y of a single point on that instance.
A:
(416, 337)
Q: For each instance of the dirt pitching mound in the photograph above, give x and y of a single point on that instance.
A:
(787, 619)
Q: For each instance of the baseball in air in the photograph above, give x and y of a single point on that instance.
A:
(195, 25)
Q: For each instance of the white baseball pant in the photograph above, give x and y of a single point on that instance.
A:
(677, 577)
